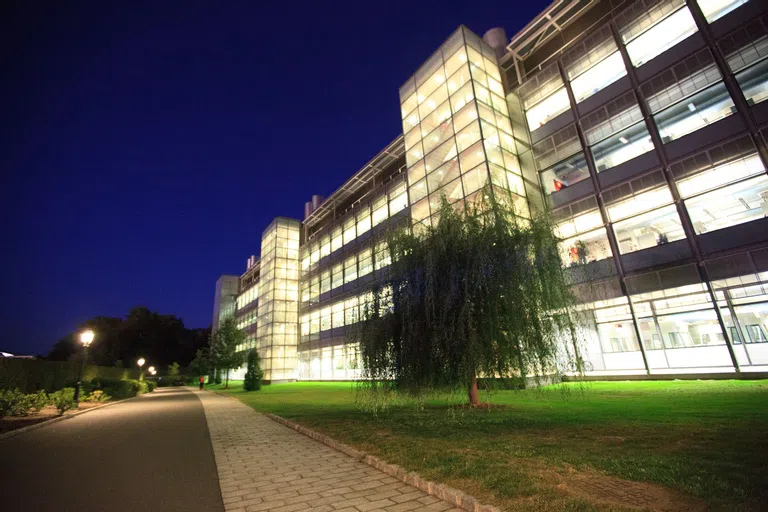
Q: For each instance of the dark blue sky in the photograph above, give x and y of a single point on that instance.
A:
(146, 145)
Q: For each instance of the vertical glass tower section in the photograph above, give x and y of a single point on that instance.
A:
(458, 136)
(277, 330)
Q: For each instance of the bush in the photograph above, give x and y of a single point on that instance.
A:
(120, 389)
(96, 395)
(64, 399)
(12, 403)
(151, 385)
(38, 400)
(254, 374)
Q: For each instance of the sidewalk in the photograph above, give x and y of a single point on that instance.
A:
(263, 465)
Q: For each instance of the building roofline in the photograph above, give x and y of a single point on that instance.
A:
(383, 158)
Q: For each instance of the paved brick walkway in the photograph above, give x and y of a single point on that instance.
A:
(263, 465)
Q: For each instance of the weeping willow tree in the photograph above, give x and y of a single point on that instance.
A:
(480, 294)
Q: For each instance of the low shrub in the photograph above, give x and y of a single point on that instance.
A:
(151, 385)
(120, 389)
(12, 403)
(37, 401)
(97, 395)
(64, 399)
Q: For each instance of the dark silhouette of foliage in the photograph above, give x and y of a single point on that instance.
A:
(223, 348)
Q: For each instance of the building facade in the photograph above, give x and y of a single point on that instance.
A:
(642, 125)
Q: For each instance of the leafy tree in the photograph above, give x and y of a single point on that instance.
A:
(481, 294)
(142, 333)
(201, 364)
(224, 347)
(254, 374)
(173, 369)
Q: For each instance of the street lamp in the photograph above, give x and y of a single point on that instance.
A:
(86, 338)
(141, 362)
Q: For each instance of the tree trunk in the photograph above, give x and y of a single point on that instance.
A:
(474, 397)
(226, 384)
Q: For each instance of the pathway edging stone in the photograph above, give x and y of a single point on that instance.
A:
(441, 491)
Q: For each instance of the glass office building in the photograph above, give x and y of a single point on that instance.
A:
(642, 125)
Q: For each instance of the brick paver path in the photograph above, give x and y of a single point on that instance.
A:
(263, 465)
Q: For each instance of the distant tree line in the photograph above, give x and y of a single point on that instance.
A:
(160, 339)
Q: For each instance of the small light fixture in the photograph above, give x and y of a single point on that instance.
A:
(691, 107)
(623, 140)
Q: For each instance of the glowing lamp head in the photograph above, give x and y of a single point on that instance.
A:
(140, 362)
(151, 369)
(86, 337)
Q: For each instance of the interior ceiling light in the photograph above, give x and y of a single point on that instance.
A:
(691, 107)
(623, 140)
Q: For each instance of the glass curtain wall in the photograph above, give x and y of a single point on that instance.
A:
(277, 330)
(458, 136)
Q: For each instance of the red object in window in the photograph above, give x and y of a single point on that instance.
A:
(558, 185)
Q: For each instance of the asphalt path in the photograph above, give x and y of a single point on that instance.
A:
(149, 453)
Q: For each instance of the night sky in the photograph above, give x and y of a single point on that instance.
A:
(146, 145)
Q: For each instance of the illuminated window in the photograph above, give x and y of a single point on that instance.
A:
(325, 282)
(730, 205)
(580, 223)
(398, 199)
(564, 174)
(325, 246)
(337, 315)
(622, 147)
(598, 77)
(337, 278)
(380, 213)
(350, 269)
(586, 248)
(552, 106)
(754, 82)
(336, 239)
(696, 112)
(366, 262)
(383, 257)
(325, 319)
(650, 229)
(639, 203)
(713, 177)
(661, 37)
(349, 230)
(716, 9)
(363, 221)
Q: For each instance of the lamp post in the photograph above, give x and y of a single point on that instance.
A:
(86, 338)
(141, 362)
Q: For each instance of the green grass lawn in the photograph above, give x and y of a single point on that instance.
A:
(679, 445)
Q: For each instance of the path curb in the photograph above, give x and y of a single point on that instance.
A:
(64, 416)
(441, 491)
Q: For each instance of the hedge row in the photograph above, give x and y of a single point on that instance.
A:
(30, 375)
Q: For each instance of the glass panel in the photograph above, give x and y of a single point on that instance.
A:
(754, 320)
(398, 203)
(754, 82)
(639, 203)
(465, 116)
(438, 136)
(468, 136)
(713, 177)
(699, 110)
(579, 224)
(440, 156)
(622, 147)
(728, 206)
(692, 329)
(350, 269)
(418, 191)
(471, 157)
(420, 210)
(586, 248)
(461, 98)
(337, 276)
(666, 34)
(380, 213)
(431, 103)
(455, 61)
(618, 337)
(648, 230)
(336, 240)
(443, 175)
(363, 221)
(716, 9)
(475, 179)
(550, 107)
(598, 77)
(564, 174)
(349, 230)
(435, 119)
